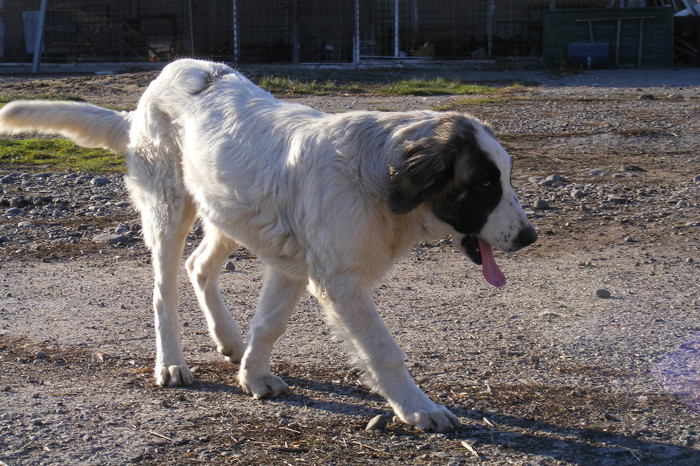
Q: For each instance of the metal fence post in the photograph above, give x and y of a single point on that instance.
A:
(38, 41)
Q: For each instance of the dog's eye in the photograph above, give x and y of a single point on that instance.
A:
(486, 183)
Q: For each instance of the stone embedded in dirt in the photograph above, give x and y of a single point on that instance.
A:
(378, 422)
(14, 211)
(58, 359)
(41, 354)
(111, 238)
(25, 224)
(603, 293)
(541, 204)
(230, 266)
(577, 194)
(554, 181)
(99, 181)
(617, 200)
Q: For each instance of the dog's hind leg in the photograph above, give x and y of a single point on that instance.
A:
(167, 214)
(204, 267)
(167, 246)
(279, 295)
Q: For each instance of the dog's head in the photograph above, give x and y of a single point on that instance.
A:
(463, 174)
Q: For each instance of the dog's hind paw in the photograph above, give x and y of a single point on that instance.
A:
(232, 353)
(435, 419)
(267, 386)
(174, 375)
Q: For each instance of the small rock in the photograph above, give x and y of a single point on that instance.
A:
(58, 359)
(378, 422)
(696, 180)
(14, 211)
(230, 266)
(25, 224)
(540, 204)
(41, 354)
(617, 200)
(603, 293)
(111, 238)
(630, 239)
(423, 447)
(647, 97)
(99, 181)
(18, 201)
(554, 180)
(577, 194)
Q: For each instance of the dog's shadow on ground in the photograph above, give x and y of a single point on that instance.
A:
(571, 445)
(482, 429)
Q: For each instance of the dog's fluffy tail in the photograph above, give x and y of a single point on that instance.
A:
(85, 124)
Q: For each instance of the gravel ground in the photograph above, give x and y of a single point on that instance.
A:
(590, 355)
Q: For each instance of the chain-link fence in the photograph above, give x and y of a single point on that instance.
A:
(278, 31)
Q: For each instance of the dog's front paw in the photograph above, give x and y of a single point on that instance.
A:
(173, 375)
(432, 417)
(266, 386)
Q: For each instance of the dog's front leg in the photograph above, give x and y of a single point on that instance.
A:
(350, 308)
(279, 295)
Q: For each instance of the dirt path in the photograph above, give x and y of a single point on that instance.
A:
(541, 371)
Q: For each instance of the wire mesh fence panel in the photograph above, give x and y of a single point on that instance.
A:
(280, 31)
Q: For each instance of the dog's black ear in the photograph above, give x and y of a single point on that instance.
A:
(423, 169)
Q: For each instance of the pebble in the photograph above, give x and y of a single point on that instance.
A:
(230, 266)
(541, 204)
(554, 181)
(99, 181)
(577, 194)
(378, 422)
(111, 238)
(41, 354)
(602, 293)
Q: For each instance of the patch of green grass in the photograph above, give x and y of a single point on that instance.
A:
(438, 86)
(287, 86)
(58, 154)
(63, 96)
(460, 104)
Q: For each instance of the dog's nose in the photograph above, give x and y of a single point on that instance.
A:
(527, 236)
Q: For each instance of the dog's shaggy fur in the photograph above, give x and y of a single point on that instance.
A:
(327, 202)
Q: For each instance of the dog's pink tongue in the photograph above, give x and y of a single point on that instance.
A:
(492, 273)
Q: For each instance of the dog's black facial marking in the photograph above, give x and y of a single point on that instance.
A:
(466, 202)
(430, 166)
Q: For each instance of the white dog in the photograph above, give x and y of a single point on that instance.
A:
(327, 202)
